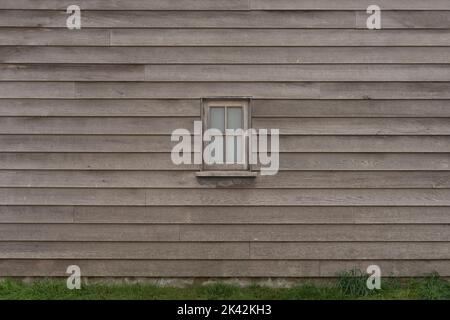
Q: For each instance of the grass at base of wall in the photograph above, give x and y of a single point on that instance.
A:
(346, 287)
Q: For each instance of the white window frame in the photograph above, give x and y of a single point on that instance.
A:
(245, 104)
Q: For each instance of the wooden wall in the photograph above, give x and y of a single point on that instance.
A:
(86, 116)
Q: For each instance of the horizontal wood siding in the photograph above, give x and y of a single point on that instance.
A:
(86, 115)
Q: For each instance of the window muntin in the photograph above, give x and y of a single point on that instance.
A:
(228, 116)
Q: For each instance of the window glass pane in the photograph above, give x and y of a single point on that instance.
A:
(234, 118)
(217, 115)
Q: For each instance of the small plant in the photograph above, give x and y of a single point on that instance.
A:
(432, 287)
(353, 283)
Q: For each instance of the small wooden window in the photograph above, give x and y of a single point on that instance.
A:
(227, 115)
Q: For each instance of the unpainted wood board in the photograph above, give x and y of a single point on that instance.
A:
(252, 37)
(228, 197)
(250, 73)
(170, 268)
(187, 179)
(350, 251)
(352, 126)
(128, 4)
(95, 125)
(347, 4)
(223, 233)
(218, 19)
(223, 55)
(39, 214)
(110, 108)
(226, 250)
(228, 73)
(288, 161)
(125, 250)
(291, 197)
(348, 108)
(250, 215)
(161, 143)
(54, 37)
(218, 268)
(88, 232)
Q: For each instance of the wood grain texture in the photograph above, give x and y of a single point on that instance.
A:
(230, 73)
(110, 108)
(86, 176)
(103, 125)
(186, 179)
(222, 233)
(349, 108)
(226, 250)
(223, 55)
(160, 143)
(218, 19)
(229, 197)
(288, 161)
(249, 215)
(347, 5)
(217, 268)
(262, 37)
(163, 125)
(351, 251)
(125, 250)
(225, 215)
(129, 4)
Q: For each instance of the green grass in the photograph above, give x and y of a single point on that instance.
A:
(350, 285)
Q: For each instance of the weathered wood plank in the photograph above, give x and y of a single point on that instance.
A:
(174, 268)
(350, 251)
(351, 126)
(228, 197)
(313, 197)
(226, 250)
(224, 215)
(39, 214)
(10, 72)
(245, 215)
(288, 161)
(271, 90)
(223, 55)
(144, 144)
(92, 161)
(347, 5)
(196, 90)
(37, 90)
(125, 250)
(88, 232)
(258, 233)
(223, 37)
(94, 125)
(54, 37)
(120, 108)
(249, 73)
(163, 125)
(128, 4)
(364, 161)
(186, 179)
(222, 233)
(364, 144)
(254, 37)
(217, 268)
(60, 196)
(218, 19)
(347, 108)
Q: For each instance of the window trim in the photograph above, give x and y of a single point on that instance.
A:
(206, 104)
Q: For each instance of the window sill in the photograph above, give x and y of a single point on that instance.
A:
(226, 174)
